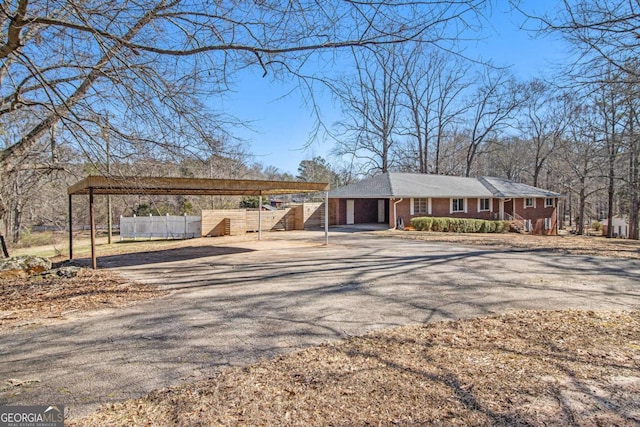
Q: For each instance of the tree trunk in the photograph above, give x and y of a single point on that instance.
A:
(437, 159)
(610, 195)
(17, 223)
(634, 197)
(581, 209)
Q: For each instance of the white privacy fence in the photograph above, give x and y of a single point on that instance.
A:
(164, 227)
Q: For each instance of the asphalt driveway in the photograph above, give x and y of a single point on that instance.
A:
(246, 301)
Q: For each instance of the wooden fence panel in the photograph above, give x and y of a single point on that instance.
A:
(313, 215)
(280, 220)
(234, 222)
(221, 222)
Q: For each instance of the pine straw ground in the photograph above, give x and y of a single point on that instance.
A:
(564, 244)
(37, 300)
(520, 369)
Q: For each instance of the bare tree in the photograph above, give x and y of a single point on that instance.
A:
(509, 159)
(433, 84)
(581, 153)
(633, 180)
(150, 64)
(371, 106)
(543, 122)
(604, 36)
(600, 31)
(492, 108)
(610, 110)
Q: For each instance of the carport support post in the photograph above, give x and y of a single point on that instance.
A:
(70, 229)
(326, 217)
(92, 219)
(260, 215)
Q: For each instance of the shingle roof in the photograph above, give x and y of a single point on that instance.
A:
(394, 185)
(375, 187)
(501, 187)
(422, 185)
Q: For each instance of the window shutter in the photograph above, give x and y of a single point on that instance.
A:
(429, 209)
(411, 206)
(465, 205)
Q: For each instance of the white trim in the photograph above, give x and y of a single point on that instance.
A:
(395, 212)
(464, 202)
(351, 212)
(411, 209)
(414, 211)
(533, 202)
(490, 204)
(430, 209)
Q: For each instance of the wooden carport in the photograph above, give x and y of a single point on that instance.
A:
(101, 185)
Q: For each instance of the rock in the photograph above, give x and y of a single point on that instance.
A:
(67, 272)
(22, 266)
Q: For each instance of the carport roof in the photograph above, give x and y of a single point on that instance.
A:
(191, 186)
(395, 185)
(133, 185)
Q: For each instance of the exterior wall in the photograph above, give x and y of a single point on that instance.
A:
(365, 211)
(536, 214)
(620, 227)
(441, 207)
(334, 211)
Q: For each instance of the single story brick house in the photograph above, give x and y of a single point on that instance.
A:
(397, 197)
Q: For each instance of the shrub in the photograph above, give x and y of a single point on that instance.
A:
(501, 226)
(458, 225)
(422, 223)
(440, 224)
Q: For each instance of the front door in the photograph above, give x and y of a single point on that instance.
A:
(381, 211)
(350, 212)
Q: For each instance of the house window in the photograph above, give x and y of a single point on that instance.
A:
(420, 206)
(484, 205)
(457, 205)
(547, 223)
(549, 203)
(529, 203)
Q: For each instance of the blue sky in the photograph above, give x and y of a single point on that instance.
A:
(282, 122)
